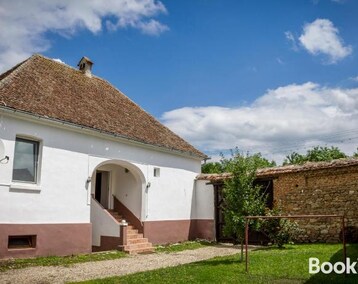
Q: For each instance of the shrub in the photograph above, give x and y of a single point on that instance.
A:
(280, 231)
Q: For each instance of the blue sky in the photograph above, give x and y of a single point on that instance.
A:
(268, 76)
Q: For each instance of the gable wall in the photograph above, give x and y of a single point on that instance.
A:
(68, 160)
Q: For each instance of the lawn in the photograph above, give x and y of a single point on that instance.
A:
(270, 265)
(108, 255)
(183, 246)
(59, 260)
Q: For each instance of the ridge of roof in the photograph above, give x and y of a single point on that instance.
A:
(274, 171)
(7, 75)
(308, 166)
(47, 88)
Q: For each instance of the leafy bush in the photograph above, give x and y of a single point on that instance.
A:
(280, 231)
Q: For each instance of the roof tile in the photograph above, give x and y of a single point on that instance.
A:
(44, 87)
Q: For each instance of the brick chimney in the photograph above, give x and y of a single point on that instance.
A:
(85, 65)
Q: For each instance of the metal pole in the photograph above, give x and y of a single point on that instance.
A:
(246, 244)
(344, 243)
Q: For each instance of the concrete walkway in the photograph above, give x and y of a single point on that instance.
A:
(107, 268)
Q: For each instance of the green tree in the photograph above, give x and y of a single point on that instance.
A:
(294, 158)
(212, 168)
(224, 164)
(241, 197)
(355, 154)
(316, 154)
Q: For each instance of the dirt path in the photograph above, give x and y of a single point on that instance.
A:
(107, 268)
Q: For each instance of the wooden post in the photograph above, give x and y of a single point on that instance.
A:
(246, 244)
(344, 243)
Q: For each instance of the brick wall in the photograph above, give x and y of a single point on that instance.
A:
(323, 191)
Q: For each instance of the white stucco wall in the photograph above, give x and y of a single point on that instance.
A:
(102, 224)
(171, 194)
(204, 200)
(128, 190)
(69, 158)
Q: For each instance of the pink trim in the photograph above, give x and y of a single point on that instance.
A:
(202, 229)
(127, 214)
(107, 243)
(51, 239)
(163, 232)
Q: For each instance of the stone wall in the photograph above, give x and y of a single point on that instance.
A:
(323, 191)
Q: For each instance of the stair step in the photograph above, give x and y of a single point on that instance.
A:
(117, 216)
(137, 241)
(138, 246)
(134, 236)
(141, 251)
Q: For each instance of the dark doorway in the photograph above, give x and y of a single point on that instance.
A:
(102, 188)
(266, 188)
(219, 214)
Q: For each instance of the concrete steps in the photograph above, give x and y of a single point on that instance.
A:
(136, 243)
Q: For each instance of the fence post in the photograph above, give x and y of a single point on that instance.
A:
(246, 243)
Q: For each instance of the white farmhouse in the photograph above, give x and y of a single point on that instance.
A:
(82, 168)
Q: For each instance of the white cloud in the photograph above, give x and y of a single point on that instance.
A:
(152, 27)
(24, 24)
(290, 37)
(58, 60)
(322, 37)
(283, 120)
(354, 78)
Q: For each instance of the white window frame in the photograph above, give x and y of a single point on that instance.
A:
(20, 184)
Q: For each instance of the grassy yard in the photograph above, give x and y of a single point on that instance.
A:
(59, 260)
(108, 255)
(183, 246)
(272, 265)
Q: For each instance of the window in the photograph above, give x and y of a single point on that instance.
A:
(25, 160)
(156, 172)
(21, 242)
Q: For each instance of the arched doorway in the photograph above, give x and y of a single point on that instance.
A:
(116, 180)
(118, 191)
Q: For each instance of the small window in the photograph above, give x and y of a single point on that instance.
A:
(25, 160)
(21, 242)
(156, 172)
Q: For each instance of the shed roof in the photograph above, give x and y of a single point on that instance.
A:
(49, 89)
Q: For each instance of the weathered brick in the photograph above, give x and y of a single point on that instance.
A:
(319, 192)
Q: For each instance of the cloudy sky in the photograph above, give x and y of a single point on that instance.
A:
(268, 76)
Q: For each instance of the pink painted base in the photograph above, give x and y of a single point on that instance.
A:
(52, 239)
(164, 232)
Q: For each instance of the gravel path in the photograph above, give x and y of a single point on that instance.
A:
(107, 268)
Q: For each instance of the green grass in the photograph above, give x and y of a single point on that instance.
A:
(183, 246)
(59, 260)
(271, 265)
(69, 260)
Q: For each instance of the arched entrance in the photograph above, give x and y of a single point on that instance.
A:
(116, 180)
(118, 191)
